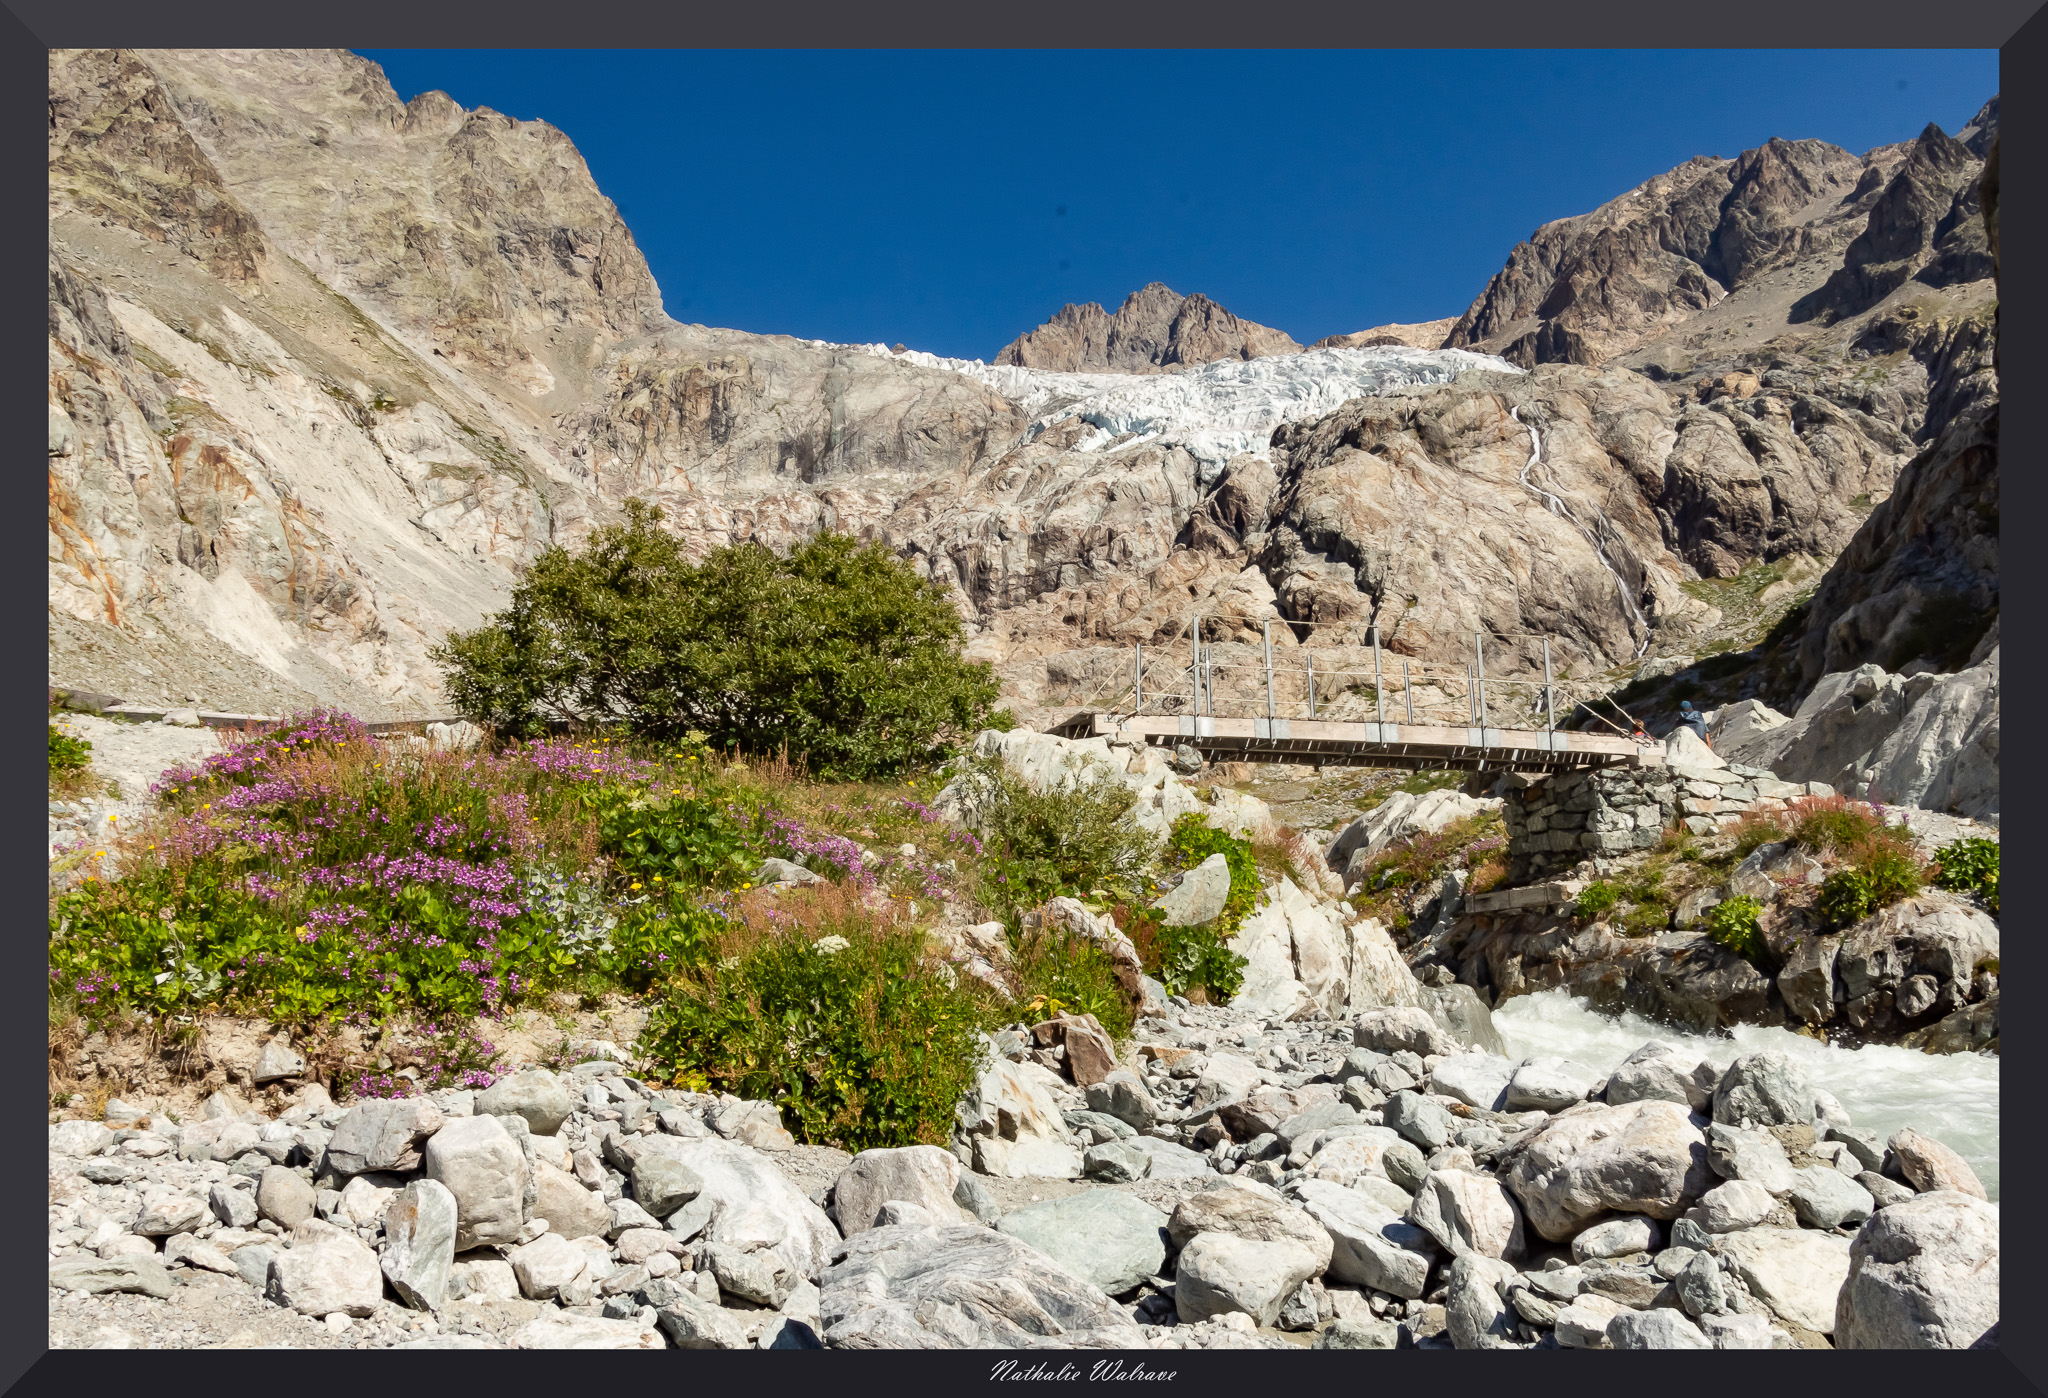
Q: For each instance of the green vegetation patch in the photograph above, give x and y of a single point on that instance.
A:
(1969, 866)
(847, 1025)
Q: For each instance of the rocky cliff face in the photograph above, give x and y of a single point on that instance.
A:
(328, 370)
(1423, 334)
(1154, 330)
(1918, 584)
(1720, 258)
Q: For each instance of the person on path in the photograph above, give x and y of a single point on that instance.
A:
(1689, 717)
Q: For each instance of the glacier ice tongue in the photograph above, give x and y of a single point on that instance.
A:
(1216, 410)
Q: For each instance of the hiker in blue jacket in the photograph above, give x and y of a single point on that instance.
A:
(1689, 717)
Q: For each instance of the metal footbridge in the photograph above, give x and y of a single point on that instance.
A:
(1351, 710)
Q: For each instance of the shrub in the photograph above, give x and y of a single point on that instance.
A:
(1969, 866)
(1890, 874)
(1596, 898)
(1068, 840)
(1755, 829)
(1834, 824)
(1064, 974)
(67, 753)
(859, 1036)
(1186, 960)
(838, 651)
(1732, 923)
(1845, 899)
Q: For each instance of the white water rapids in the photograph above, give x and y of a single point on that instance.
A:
(1951, 1097)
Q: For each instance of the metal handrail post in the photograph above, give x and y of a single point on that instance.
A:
(1309, 656)
(1269, 668)
(1379, 696)
(1479, 672)
(1195, 670)
(1549, 696)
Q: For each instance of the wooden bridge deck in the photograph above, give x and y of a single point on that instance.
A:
(1328, 743)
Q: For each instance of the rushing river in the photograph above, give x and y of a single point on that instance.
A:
(1951, 1097)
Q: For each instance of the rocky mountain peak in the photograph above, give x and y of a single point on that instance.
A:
(484, 235)
(1155, 329)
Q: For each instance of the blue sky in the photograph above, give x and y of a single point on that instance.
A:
(951, 200)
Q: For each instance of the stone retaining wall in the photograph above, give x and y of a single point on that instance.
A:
(1555, 822)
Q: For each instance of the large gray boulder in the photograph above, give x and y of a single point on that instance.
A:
(1247, 1209)
(1468, 1213)
(1754, 1156)
(961, 1286)
(1123, 1095)
(535, 1094)
(1796, 1272)
(1943, 755)
(1656, 1329)
(325, 1273)
(1932, 1166)
(480, 1164)
(1392, 1028)
(1420, 1120)
(1922, 1275)
(662, 1183)
(760, 1277)
(1476, 1079)
(1550, 1085)
(1916, 959)
(1219, 1273)
(1646, 1157)
(546, 1265)
(570, 1209)
(1824, 1197)
(382, 1135)
(748, 1203)
(1011, 1122)
(142, 1274)
(419, 1230)
(1663, 1072)
(694, 1323)
(1460, 1012)
(1733, 1206)
(922, 1175)
(284, 1196)
(1926, 740)
(1765, 1089)
(1105, 1236)
(1371, 1244)
(1474, 1314)
(1200, 895)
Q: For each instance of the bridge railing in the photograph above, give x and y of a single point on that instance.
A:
(1367, 682)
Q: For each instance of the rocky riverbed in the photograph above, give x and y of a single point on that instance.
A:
(1389, 1179)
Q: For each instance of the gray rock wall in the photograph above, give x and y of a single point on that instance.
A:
(1555, 823)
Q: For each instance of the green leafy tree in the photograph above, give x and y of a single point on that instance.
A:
(836, 651)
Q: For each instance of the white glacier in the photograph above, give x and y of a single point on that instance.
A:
(1217, 410)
